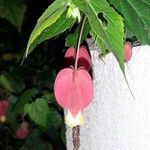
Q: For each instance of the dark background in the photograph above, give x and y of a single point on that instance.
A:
(37, 71)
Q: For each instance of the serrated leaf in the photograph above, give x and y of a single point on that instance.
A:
(72, 39)
(38, 112)
(58, 27)
(13, 11)
(129, 34)
(111, 31)
(101, 43)
(25, 98)
(48, 18)
(136, 14)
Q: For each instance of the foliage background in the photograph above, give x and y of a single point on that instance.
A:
(29, 87)
(32, 82)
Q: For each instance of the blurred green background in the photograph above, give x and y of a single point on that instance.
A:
(29, 87)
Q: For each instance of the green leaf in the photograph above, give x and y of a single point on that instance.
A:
(72, 39)
(101, 43)
(38, 112)
(6, 83)
(11, 83)
(16, 76)
(54, 118)
(12, 98)
(44, 28)
(49, 97)
(11, 117)
(36, 142)
(54, 124)
(13, 11)
(63, 134)
(106, 24)
(45, 78)
(136, 15)
(25, 98)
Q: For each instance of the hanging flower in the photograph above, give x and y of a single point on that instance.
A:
(23, 130)
(70, 56)
(74, 120)
(127, 51)
(84, 59)
(73, 90)
(4, 104)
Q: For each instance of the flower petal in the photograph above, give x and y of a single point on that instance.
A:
(127, 51)
(73, 89)
(72, 121)
(23, 131)
(84, 59)
(4, 104)
(70, 56)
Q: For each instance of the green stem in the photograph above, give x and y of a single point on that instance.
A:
(79, 43)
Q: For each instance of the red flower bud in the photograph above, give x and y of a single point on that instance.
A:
(4, 104)
(127, 51)
(23, 131)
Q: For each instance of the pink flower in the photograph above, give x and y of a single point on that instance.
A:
(4, 104)
(84, 59)
(70, 56)
(127, 51)
(73, 90)
(23, 131)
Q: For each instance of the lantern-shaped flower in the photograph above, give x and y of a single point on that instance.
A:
(84, 59)
(4, 104)
(73, 91)
(127, 51)
(70, 56)
(23, 130)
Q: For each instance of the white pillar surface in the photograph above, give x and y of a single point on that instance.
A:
(114, 120)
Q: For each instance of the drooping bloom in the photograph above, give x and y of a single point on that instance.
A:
(73, 90)
(84, 59)
(23, 130)
(74, 120)
(127, 51)
(70, 56)
(4, 104)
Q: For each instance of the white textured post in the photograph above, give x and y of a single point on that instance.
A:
(114, 120)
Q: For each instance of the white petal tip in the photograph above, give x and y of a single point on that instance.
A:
(74, 121)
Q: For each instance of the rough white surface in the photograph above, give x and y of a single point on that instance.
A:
(114, 120)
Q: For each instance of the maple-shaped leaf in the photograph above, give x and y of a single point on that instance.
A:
(136, 15)
(106, 25)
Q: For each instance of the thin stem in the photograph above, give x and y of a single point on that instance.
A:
(79, 42)
(75, 136)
